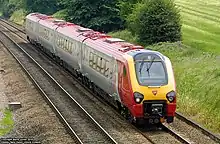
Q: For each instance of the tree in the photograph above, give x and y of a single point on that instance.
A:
(155, 21)
(100, 15)
(41, 6)
(126, 7)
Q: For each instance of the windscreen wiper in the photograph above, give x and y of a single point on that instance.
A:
(150, 66)
(141, 66)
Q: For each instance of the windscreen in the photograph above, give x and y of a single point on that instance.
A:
(150, 70)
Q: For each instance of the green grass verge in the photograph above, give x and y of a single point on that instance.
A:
(6, 124)
(18, 16)
(201, 27)
(0, 13)
(197, 74)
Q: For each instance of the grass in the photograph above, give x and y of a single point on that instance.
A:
(6, 124)
(195, 62)
(197, 75)
(201, 27)
(0, 13)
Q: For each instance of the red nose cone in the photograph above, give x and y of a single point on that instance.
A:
(154, 92)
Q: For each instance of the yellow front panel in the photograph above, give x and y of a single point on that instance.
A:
(147, 91)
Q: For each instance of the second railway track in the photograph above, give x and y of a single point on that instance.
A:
(87, 130)
(81, 124)
(208, 137)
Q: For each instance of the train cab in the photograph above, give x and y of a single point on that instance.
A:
(153, 86)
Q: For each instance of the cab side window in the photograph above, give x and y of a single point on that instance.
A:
(125, 80)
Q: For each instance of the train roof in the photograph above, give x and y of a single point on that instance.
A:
(114, 47)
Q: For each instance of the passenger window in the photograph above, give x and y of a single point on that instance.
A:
(99, 63)
(103, 66)
(94, 61)
(70, 47)
(91, 59)
(106, 73)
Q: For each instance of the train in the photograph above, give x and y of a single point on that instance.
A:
(139, 82)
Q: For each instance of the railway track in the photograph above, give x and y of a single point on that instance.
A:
(52, 90)
(122, 135)
(172, 131)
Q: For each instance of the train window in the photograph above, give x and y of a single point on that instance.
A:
(90, 59)
(65, 45)
(94, 61)
(106, 73)
(124, 71)
(70, 46)
(62, 43)
(103, 66)
(125, 81)
(58, 41)
(99, 63)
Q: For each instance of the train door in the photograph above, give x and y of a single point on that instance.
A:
(124, 85)
(114, 82)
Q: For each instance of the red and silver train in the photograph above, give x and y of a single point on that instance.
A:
(138, 81)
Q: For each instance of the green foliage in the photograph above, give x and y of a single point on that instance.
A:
(18, 16)
(101, 15)
(155, 21)
(125, 35)
(42, 6)
(62, 14)
(126, 7)
(6, 124)
(9, 6)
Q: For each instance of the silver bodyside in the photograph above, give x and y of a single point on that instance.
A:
(79, 58)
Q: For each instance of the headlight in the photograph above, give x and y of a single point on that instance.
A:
(138, 97)
(171, 96)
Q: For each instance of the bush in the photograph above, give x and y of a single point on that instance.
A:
(61, 14)
(126, 7)
(155, 21)
(18, 16)
(125, 35)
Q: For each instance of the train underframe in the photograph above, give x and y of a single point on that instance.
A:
(147, 118)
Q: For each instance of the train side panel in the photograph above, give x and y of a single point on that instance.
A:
(31, 24)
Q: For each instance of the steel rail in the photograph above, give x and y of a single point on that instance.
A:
(91, 118)
(175, 134)
(177, 114)
(89, 90)
(52, 105)
(197, 126)
(178, 137)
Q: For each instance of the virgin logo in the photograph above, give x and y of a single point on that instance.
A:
(154, 92)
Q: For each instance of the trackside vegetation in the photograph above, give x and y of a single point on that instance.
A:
(189, 36)
(155, 21)
(6, 123)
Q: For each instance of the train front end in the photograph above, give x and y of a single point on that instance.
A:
(153, 86)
